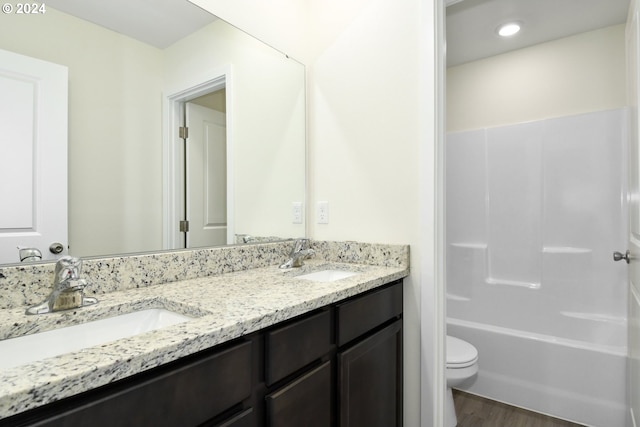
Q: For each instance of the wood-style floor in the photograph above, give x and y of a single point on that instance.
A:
(475, 411)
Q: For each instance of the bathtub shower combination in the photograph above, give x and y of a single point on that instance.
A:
(534, 213)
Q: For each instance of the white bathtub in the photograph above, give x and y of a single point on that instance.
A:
(574, 380)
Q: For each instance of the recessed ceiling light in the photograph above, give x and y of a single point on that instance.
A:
(509, 29)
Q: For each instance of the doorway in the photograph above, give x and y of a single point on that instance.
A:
(527, 267)
(198, 175)
(205, 144)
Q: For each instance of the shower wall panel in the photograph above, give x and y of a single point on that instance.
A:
(514, 196)
(534, 212)
(466, 212)
(585, 209)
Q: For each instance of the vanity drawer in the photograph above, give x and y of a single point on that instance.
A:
(292, 347)
(188, 395)
(361, 314)
(243, 419)
(303, 402)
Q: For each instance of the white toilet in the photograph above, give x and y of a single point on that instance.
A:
(462, 364)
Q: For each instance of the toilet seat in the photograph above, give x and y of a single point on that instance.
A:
(460, 354)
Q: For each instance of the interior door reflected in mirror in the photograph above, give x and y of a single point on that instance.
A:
(123, 162)
(205, 142)
(33, 147)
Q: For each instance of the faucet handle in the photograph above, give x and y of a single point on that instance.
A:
(301, 249)
(67, 269)
(300, 245)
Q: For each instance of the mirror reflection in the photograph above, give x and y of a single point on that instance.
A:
(128, 97)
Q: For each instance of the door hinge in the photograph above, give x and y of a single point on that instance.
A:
(183, 132)
(184, 226)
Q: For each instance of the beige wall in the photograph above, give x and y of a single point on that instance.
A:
(573, 75)
(372, 132)
(365, 135)
(115, 160)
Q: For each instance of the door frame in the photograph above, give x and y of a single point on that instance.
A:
(173, 155)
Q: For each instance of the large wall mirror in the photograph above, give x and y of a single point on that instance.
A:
(131, 80)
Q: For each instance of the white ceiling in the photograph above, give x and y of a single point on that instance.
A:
(470, 35)
(471, 24)
(159, 23)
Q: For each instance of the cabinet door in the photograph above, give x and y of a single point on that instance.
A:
(370, 380)
(306, 402)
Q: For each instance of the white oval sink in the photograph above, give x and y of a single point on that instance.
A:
(327, 275)
(30, 348)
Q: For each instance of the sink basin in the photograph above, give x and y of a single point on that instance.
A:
(327, 275)
(30, 348)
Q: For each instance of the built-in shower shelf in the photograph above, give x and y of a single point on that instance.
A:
(456, 297)
(516, 283)
(469, 245)
(565, 250)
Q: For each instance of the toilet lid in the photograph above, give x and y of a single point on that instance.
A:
(460, 354)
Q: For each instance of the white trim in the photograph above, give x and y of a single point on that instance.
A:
(172, 113)
(231, 235)
(432, 261)
(440, 62)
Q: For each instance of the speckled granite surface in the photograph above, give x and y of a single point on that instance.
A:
(28, 284)
(229, 291)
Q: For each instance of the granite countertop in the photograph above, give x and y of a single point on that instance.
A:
(223, 307)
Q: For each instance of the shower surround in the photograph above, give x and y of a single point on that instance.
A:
(534, 213)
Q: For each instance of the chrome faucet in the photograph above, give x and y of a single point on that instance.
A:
(68, 289)
(299, 253)
(29, 254)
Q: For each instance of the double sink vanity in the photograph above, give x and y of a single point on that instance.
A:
(216, 337)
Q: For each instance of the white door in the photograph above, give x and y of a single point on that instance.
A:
(33, 155)
(633, 54)
(206, 177)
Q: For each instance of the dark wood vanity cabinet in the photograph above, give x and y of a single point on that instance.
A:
(337, 366)
(369, 359)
